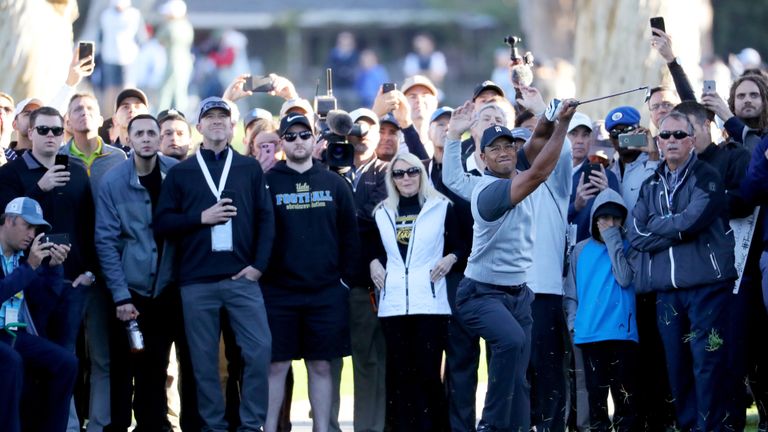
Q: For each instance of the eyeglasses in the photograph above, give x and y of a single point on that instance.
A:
(507, 147)
(678, 134)
(43, 130)
(291, 136)
(616, 132)
(665, 105)
(411, 172)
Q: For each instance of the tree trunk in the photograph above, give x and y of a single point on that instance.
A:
(36, 36)
(611, 43)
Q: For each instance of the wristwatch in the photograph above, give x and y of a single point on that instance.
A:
(90, 276)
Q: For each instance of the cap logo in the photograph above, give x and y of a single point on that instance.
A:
(293, 117)
(617, 116)
(38, 209)
(498, 129)
(487, 83)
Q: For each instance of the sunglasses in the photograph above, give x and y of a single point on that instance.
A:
(678, 134)
(616, 132)
(412, 172)
(291, 136)
(43, 130)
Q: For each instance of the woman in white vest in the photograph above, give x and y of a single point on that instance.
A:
(419, 245)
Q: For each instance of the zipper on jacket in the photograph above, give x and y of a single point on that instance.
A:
(406, 290)
(672, 267)
(629, 323)
(712, 258)
(432, 285)
(650, 263)
(408, 260)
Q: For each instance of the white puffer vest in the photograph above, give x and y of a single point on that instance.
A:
(407, 287)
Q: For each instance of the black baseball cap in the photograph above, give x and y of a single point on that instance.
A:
(487, 85)
(211, 103)
(610, 209)
(493, 133)
(293, 119)
(170, 114)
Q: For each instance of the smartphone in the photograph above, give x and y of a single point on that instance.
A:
(658, 23)
(86, 49)
(388, 87)
(62, 160)
(268, 148)
(709, 87)
(59, 239)
(226, 193)
(260, 84)
(637, 140)
(588, 168)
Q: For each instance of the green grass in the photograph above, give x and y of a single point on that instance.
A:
(347, 389)
(347, 385)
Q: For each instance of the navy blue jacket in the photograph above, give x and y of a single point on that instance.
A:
(684, 230)
(42, 288)
(754, 187)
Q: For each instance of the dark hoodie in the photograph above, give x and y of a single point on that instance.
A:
(316, 241)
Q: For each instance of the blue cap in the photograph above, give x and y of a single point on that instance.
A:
(29, 210)
(389, 118)
(493, 133)
(622, 116)
(443, 110)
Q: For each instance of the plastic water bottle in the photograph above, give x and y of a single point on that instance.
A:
(135, 338)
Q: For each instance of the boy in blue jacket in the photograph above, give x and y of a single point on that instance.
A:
(600, 306)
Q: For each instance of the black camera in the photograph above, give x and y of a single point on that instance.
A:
(339, 126)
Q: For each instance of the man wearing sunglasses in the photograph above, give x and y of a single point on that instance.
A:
(307, 303)
(681, 221)
(64, 193)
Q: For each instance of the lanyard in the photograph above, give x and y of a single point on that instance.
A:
(207, 174)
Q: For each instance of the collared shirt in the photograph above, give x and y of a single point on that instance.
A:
(472, 167)
(674, 177)
(87, 159)
(9, 265)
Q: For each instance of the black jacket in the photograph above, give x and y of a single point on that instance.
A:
(731, 161)
(184, 196)
(69, 209)
(685, 231)
(316, 240)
